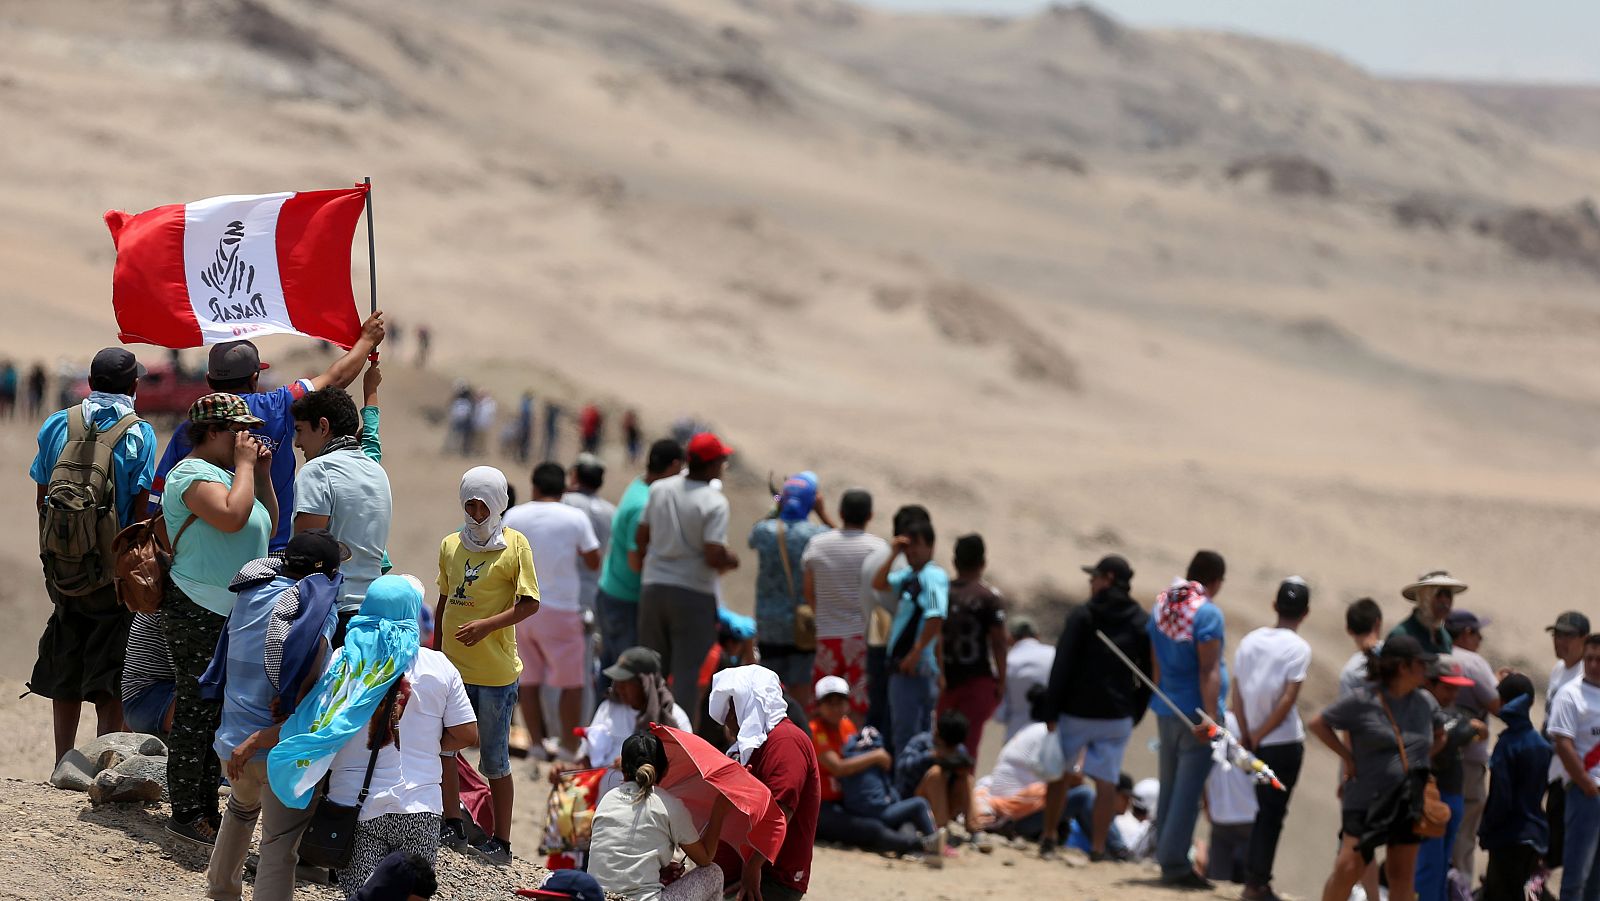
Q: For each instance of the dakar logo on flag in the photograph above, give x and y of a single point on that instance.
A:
(237, 266)
(228, 274)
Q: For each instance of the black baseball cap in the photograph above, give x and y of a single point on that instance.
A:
(633, 663)
(234, 360)
(1570, 623)
(314, 551)
(1459, 621)
(1112, 565)
(116, 364)
(1404, 647)
(1294, 597)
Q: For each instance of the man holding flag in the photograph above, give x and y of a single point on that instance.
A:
(235, 368)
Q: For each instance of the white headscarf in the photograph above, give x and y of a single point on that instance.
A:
(487, 484)
(757, 700)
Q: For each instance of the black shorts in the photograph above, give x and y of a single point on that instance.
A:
(81, 651)
(1399, 832)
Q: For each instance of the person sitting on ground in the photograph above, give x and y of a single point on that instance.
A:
(1231, 807)
(639, 696)
(748, 701)
(401, 876)
(1136, 826)
(936, 766)
(487, 584)
(831, 732)
(1011, 798)
(1514, 830)
(639, 828)
(295, 597)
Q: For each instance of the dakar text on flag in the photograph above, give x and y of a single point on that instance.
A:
(238, 266)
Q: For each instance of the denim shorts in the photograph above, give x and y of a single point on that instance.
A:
(494, 706)
(147, 711)
(1101, 741)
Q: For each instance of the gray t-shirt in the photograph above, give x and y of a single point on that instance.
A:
(353, 492)
(1476, 700)
(1353, 677)
(1377, 756)
(600, 512)
(684, 516)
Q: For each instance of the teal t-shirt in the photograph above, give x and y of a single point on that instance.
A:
(616, 578)
(207, 558)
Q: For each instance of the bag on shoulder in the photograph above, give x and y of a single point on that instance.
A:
(78, 521)
(1433, 815)
(143, 560)
(330, 836)
(805, 616)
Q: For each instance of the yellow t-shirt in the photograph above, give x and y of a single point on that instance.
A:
(477, 585)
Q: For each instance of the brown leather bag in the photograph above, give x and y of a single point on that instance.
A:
(143, 560)
(1435, 813)
(805, 616)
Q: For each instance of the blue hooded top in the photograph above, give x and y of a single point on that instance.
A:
(1518, 769)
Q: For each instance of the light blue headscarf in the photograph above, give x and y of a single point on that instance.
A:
(378, 648)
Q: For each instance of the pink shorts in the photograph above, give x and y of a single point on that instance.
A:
(551, 644)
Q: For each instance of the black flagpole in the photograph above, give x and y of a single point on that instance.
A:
(372, 257)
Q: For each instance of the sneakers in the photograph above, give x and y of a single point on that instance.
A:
(198, 831)
(983, 842)
(1190, 881)
(493, 850)
(453, 835)
(935, 847)
(1049, 849)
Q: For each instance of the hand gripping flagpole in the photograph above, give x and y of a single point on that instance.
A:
(1241, 755)
(372, 260)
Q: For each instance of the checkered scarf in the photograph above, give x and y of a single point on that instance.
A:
(1176, 608)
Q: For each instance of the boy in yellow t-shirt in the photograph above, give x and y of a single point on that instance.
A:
(487, 585)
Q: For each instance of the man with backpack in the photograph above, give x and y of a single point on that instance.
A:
(94, 469)
(1092, 701)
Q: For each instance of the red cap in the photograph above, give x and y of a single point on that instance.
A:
(706, 447)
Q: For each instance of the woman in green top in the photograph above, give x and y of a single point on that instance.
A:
(219, 507)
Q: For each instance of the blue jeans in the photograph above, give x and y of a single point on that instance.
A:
(147, 711)
(1433, 855)
(912, 699)
(494, 706)
(1580, 877)
(1185, 763)
(618, 622)
(912, 810)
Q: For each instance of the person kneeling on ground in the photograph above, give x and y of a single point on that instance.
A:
(874, 829)
(638, 697)
(638, 829)
(936, 766)
(1011, 799)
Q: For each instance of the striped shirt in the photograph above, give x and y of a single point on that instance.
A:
(834, 560)
(148, 660)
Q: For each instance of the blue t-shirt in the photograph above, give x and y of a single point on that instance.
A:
(1180, 663)
(777, 594)
(933, 598)
(271, 407)
(247, 698)
(133, 460)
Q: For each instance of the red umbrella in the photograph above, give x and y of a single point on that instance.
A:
(697, 773)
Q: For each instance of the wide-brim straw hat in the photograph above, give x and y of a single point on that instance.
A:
(1436, 579)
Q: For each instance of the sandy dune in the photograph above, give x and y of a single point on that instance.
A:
(992, 265)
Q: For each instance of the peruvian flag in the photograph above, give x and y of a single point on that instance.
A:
(235, 267)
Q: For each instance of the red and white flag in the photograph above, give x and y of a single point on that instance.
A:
(238, 266)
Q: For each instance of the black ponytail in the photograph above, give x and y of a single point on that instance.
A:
(644, 762)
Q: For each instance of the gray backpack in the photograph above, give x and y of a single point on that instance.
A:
(78, 521)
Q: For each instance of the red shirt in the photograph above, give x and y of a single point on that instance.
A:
(830, 738)
(787, 764)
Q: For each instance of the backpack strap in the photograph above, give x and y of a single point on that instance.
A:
(181, 529)
(114, 434)
(783, 554)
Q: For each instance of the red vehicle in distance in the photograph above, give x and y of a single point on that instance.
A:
(165, 392)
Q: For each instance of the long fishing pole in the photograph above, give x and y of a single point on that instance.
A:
(1249, 761)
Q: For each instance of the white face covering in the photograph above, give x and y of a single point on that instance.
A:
(487, 484)
(756, 696)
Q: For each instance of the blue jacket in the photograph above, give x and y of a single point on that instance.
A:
(1517, 780)
(868, 792)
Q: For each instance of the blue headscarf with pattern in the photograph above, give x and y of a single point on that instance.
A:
(379, 645)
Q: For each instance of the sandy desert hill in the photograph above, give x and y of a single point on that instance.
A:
(1078, 286)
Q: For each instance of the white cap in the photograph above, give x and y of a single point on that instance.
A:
(832, 685)
(1147, 795)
